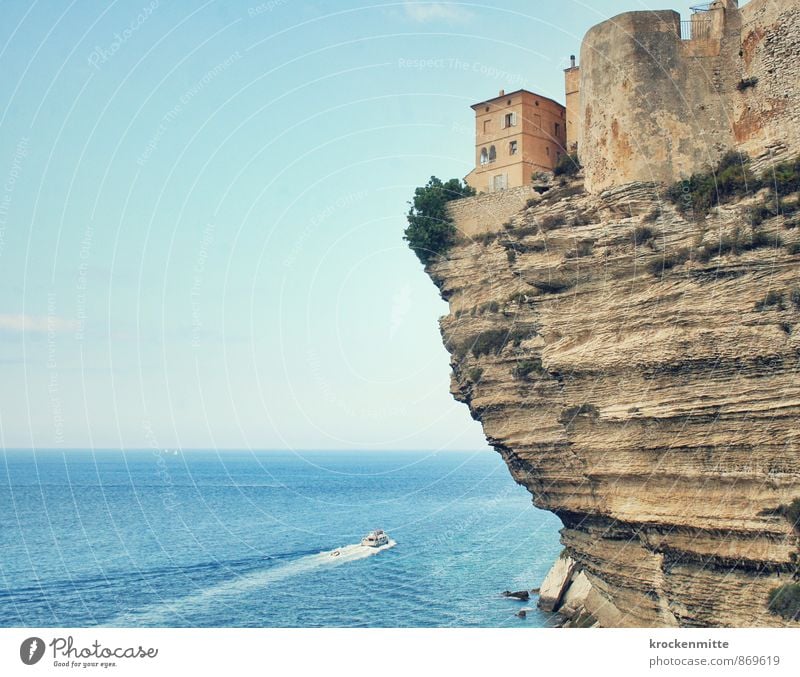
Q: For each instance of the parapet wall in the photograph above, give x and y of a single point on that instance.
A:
(655, 107)
(488, 212)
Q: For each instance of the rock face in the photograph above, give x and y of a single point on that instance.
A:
(646, 395)
(555, 583)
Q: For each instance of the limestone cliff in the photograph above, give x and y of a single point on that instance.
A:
(645, 394)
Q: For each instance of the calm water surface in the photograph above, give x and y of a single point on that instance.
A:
(206, 538)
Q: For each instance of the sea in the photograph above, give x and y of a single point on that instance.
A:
(169, 538)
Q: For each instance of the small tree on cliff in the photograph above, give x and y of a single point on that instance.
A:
(568, 165)
(430, 230)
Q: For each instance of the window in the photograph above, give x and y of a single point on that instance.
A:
(487, 126)
(510, 120)
(548, 151)
(512, 148)
(558, 129)
(492, 153)
(484, 156)
(499, 182)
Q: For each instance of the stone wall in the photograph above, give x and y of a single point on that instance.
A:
(650, 101)
(572, 91)
(488, 212)
(655, 107)
(767, 115)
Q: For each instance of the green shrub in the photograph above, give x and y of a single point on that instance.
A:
(492, 341)
(525, 248)
(761, 213)
(703, 190)
(486, 238)
(430, 230)
(553, 285)
(475, 374)
(792, 513)
(793, 248)
(568, 165)
(668, 261)
(785, 601)
(569, 414)
(738, 242)
(746, 83)
(518, 297)
(784, 177)
(551, 222)
(511, 255)
(788, 208)
(642, 234)
(527, 367)
(794, 297)
(772, 299)
(489, 306)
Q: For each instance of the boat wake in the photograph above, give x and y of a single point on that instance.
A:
(186, 607)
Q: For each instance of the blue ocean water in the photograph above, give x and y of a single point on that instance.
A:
(142, 538)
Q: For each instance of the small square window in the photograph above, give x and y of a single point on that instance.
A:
(512, 148)
(487, 126)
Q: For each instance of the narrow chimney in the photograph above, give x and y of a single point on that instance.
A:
(572, 61)
(502, 92)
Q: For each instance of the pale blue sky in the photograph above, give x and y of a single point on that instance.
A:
(201, 211)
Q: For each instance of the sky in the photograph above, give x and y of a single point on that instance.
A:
(202, 207)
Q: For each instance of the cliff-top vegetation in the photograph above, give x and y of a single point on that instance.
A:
(430, 230)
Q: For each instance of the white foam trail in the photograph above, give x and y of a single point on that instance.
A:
(202, 600)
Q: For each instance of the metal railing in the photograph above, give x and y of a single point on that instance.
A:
(696, 29)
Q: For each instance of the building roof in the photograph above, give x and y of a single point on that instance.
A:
(516, 91)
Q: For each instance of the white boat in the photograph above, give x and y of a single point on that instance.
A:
(375, 539)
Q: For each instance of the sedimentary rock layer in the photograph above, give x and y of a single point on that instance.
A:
(646, 394)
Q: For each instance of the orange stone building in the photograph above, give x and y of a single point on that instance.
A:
(516, 135)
